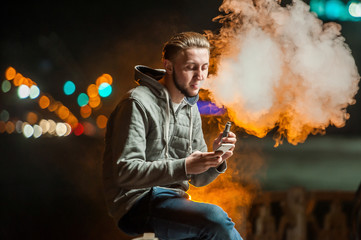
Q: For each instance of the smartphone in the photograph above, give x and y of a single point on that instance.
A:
(224, 147)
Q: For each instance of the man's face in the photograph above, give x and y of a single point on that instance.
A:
(190, 69)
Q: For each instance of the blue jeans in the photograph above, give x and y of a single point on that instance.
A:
(171, 216)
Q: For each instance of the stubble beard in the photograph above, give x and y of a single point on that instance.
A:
(179, 87)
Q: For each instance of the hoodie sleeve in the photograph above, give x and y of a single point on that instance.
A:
(128, 129)
(211, 174)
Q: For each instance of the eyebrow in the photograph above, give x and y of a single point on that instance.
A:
(191, 62)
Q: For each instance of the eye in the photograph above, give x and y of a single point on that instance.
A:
(191, 67)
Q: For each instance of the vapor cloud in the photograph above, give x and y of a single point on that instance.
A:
(281, 67)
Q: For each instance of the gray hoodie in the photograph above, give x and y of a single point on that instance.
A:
(146, 144)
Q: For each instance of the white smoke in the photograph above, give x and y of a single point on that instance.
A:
(281, 66)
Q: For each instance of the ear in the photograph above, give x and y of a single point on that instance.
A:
(168, 66)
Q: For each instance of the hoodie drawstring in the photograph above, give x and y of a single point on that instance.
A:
(167, 122)
(190, 132)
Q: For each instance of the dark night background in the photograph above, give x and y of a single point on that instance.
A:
(51, 187)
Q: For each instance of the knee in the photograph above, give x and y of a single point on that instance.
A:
(219, 225)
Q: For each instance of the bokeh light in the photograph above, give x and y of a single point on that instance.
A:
(102, 121)
(89, 129)
(18, 80)
(63, 112)
(44, 102)
(9, 127)
(2, 126)
(34, 92)
(4, 115)
(83, 99)
(6, 86)
(78, 130)
(92, 91)
(37, 131)
(52, 126)
(10, 73)
(28, 82)
(109, 78)
(19, 126)
(94, 102)
(68, 129)
(105, 89)
(28, 130)
(85, 111)
(355, 9)
(61, 129)
(72, 120)
(45, 125)
(334, 9)
(69, 88)
(105, 78)
(54, 106)
(31, 117)
(23, 91)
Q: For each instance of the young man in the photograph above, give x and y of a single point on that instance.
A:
(155, 147)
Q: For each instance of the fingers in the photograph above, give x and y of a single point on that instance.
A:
(210, 155)
(227, 155)
(213, 162)
(231, 138)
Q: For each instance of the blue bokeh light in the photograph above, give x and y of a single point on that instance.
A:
(105, 89)
(83, 99)
(69, 88)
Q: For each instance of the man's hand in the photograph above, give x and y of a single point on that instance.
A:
(231, 138)
(199, 162)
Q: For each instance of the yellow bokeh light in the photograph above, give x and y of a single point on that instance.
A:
(92, 91)
(63, 112)
(102, 121)
(32, 117)
(10, 73)
(94, 101)
(44, 102)
(85, 111)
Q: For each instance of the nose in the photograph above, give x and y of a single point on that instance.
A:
(200, 74)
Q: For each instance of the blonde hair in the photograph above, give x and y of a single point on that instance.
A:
(182, 41)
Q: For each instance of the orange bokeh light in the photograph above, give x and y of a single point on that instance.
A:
(10, 127)
(44, 102)
(2, 126)
(32, 118)
(108, 77)
(54, 106)
(19, 79)
(92, 91)
(63, 112)
(72, 121)
(85, 111)
(10, 73)
(105, 78)
(94, 101)
(102, 121)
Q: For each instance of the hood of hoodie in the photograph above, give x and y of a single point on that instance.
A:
(150, 77)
